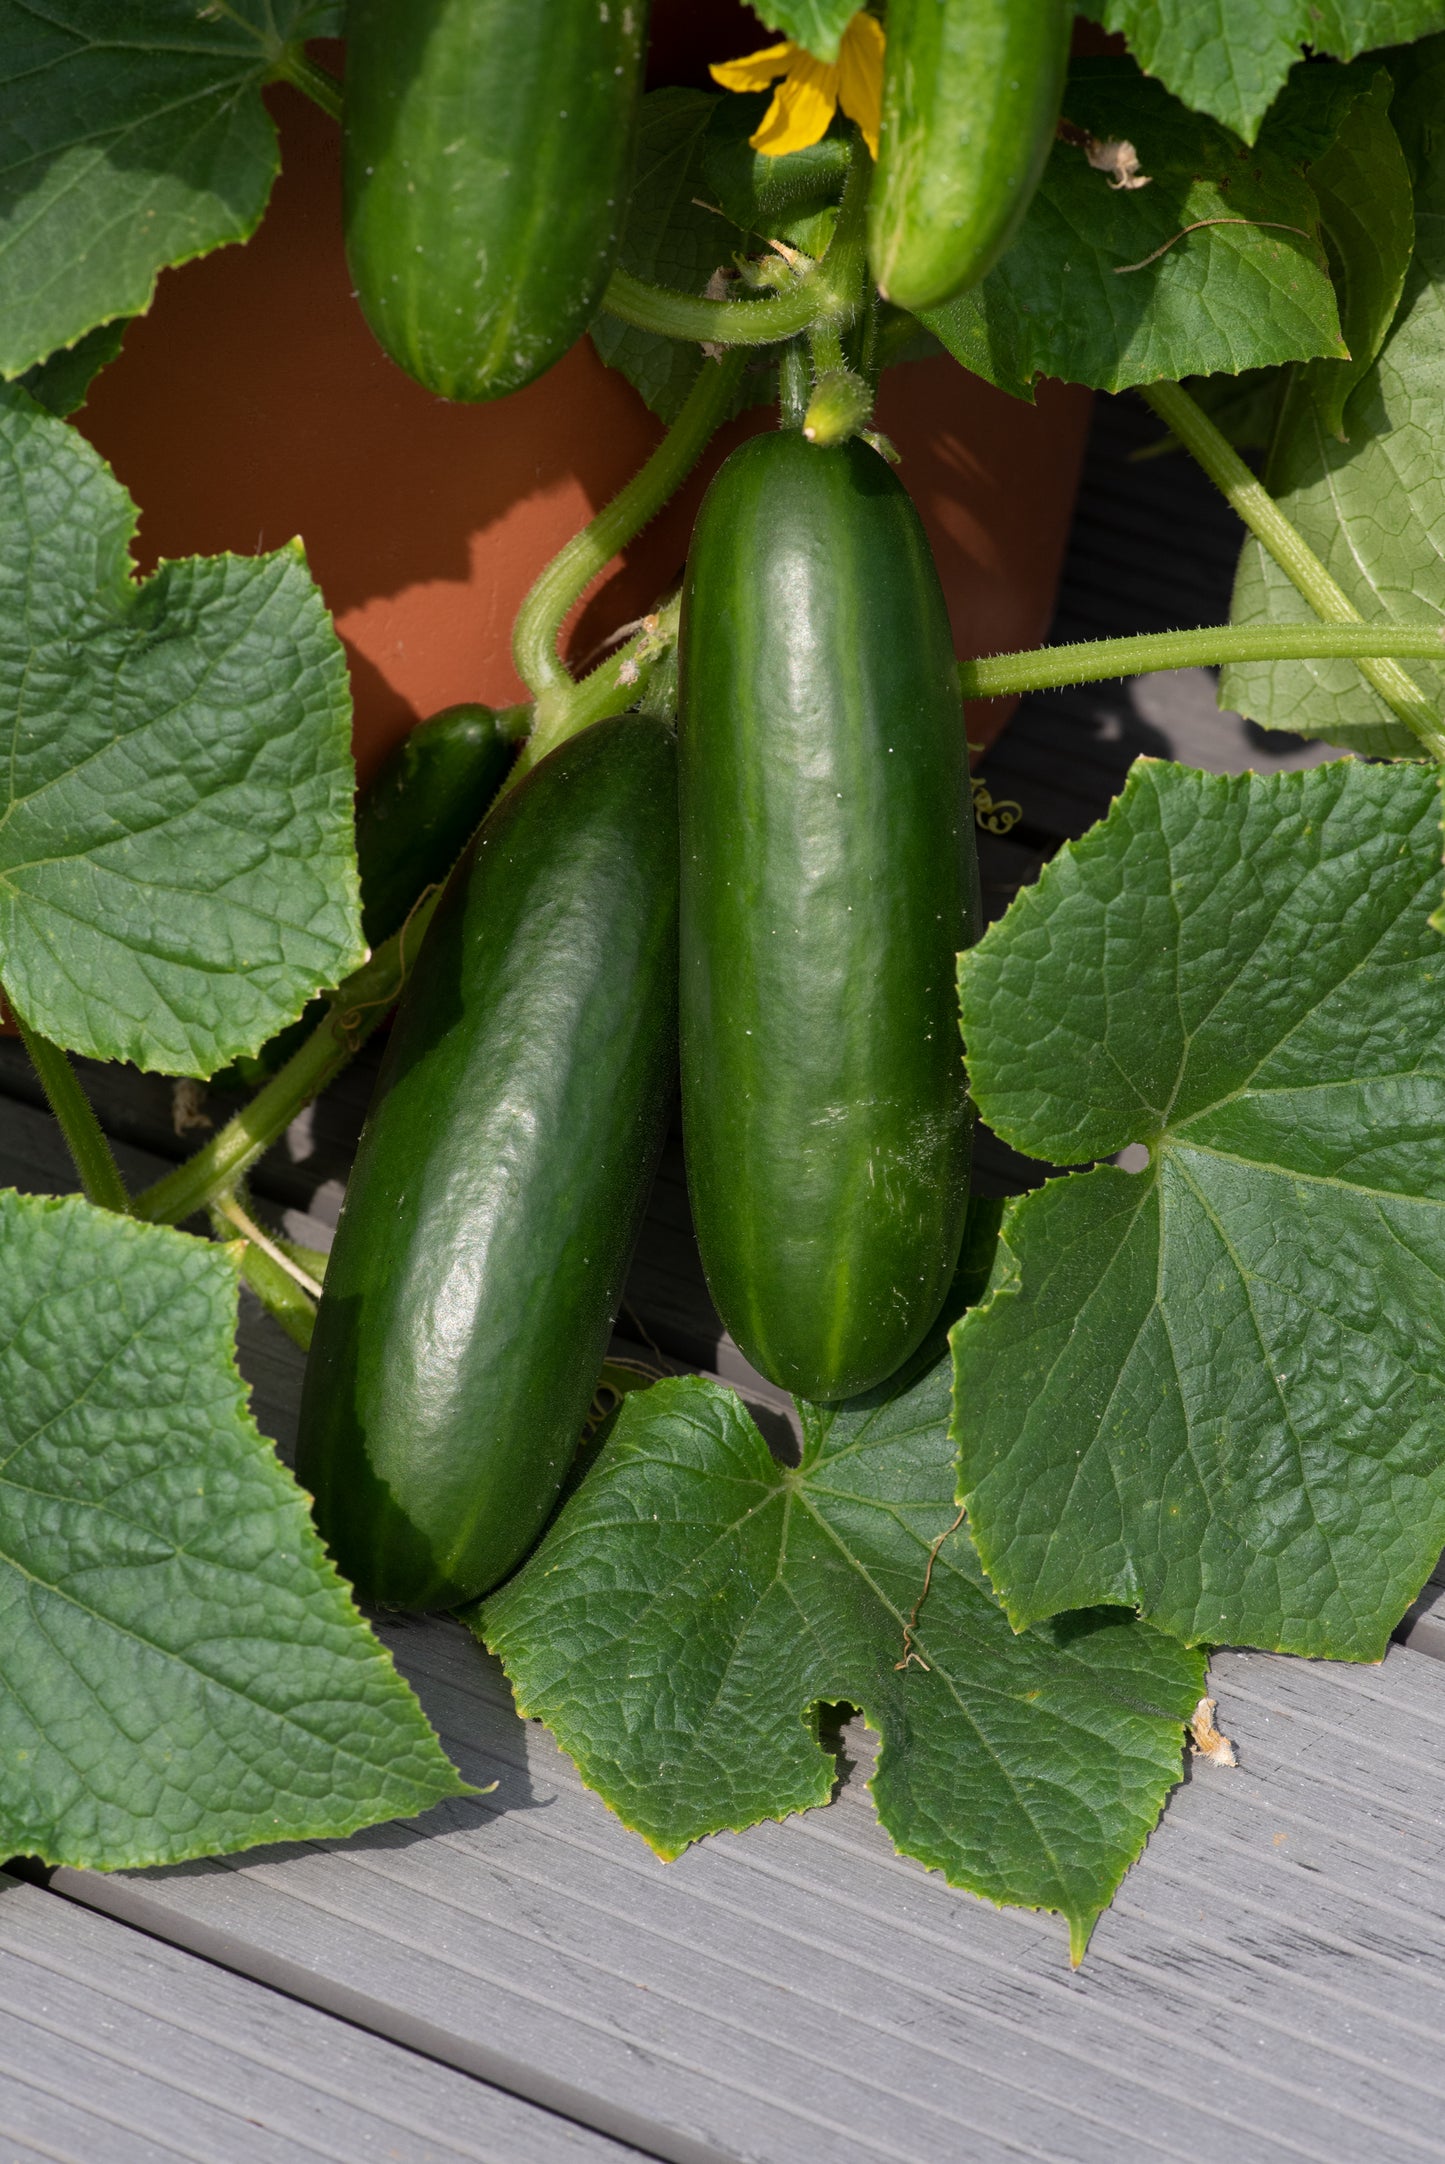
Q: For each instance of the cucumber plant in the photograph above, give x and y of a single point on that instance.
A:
(1049, 1456)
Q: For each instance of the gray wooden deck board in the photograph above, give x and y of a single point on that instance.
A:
(1274, 1971)
(120, 2050)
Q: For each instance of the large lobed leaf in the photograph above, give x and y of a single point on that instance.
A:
(1211, 1390)
(177, 870)
(1247, 293)
(132, 135)
(1230, 57)
(184, 1671)
(696, 1602)
(1372, 506)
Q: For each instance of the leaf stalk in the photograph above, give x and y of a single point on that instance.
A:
(283, 1290)
(1045, 667)
(829, 292)
(1267, 522)
(100, 1180)
(357, 1006)
(610, 689)
(566, 578)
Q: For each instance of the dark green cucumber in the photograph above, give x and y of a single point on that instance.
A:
(418, 814)
(971, 94)
(827, 885)
(500, 1180)
(412, 823)
(487, 147)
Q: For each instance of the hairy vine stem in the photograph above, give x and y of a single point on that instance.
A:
(610, 689)
(1045, 667)
(100, 1179)
(357, 1006)
(276, 1284)
(829, 292)
(566, 578)
(715, 323)
(229, 1209)
(1265, 520)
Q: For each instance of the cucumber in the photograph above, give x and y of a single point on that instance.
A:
(971, 95)
(828, 882)
(412, 823)
(418, 814)
(487, 147)
(500, 1180)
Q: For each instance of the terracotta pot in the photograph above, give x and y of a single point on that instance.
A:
(252, 404)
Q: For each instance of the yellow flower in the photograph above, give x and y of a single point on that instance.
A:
(810, 91)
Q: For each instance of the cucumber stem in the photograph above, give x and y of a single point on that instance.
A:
(795, 383)
(100, 1180)
(826, 347)
(1267, 522)
(228, 1209)
(714, 323)
(1045, 667)
(830, 291)
(610, 689)
(357, 1006)
(265, 1270)
(540, 619)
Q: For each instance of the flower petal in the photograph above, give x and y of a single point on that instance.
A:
(860, 75)
(754, 71)
(799, 114)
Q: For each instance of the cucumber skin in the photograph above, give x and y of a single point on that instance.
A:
(971, 96)
(487, 149)
(500, 1180)
(418, 814)
(828, 882)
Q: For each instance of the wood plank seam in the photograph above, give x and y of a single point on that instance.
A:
(110, 1896)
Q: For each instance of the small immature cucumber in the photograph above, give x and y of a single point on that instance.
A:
(487, 147)
(500, 1181)
(971, 94)
(827, 885)
(424, 805)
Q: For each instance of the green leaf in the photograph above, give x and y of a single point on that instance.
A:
(62, 384)
(1362, 184)
(1211, 1389)
(177, 870)
(817, 25)
(1076, 296)
(184, 1671)
(1230, 57)
(132, 135)
(1373, 508)
(677, 235)
(669, 239)
(696, 1603)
